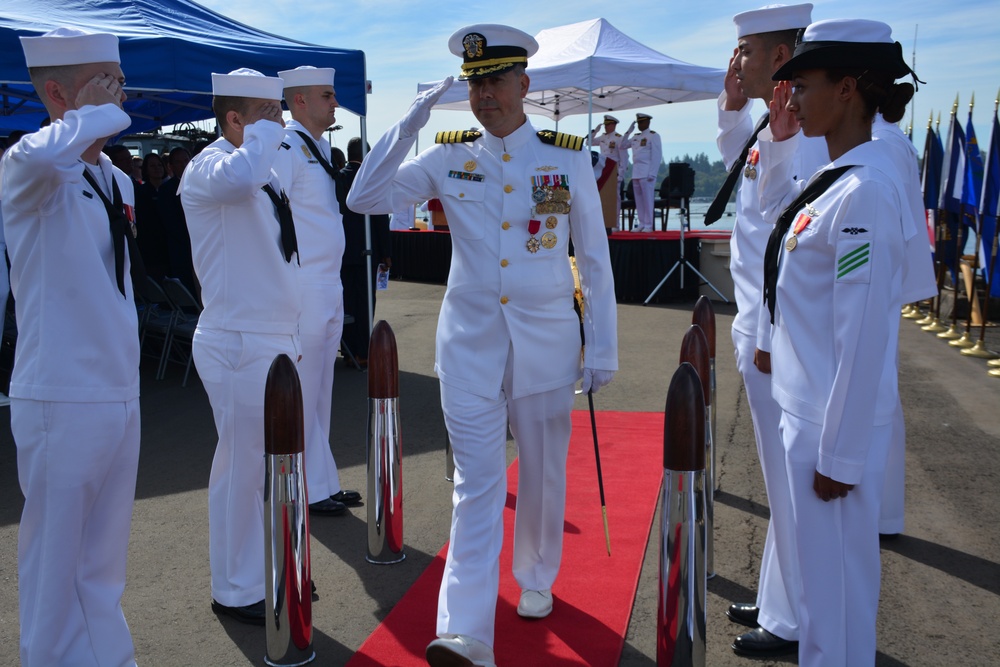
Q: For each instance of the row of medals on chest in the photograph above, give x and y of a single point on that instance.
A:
(550, 195)
(801, 222)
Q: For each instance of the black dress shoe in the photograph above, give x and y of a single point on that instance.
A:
(349, 498)
(327, 507)
(761, 643)
(744, 613)
(252, 614)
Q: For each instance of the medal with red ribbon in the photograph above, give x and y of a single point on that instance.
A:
(752, 159)
(533, 243)
(801, 223)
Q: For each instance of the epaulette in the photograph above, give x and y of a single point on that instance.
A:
(285, 146)
(456, 136)
(560, 139)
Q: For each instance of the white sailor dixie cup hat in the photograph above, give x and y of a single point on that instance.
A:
(245, 82)
(488, 49)
(846, 43)
(307, 76)
(69, 46)
(773, 18)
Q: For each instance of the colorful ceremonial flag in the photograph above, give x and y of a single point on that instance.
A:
(988, 207)
(930, 179)
(972, 183)
(950, 205)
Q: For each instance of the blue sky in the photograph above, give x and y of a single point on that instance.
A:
(405, 42)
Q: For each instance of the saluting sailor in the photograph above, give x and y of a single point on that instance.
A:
(647, 153)
(508, 345)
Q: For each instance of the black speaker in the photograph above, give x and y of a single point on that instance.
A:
(681, 177)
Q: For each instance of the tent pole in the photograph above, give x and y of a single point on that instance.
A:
(590, 101)
(368, 225)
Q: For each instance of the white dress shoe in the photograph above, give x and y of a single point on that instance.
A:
(459, 651)
(535, 604)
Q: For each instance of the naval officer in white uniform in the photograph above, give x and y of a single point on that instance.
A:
(75, 386)
(304, 166)
(244, 252)
(508, 346)
(834, 286)
(613, 145)
(765, 41)
(647, 153)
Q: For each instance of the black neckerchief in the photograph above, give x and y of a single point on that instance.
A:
(722, 196)
(319, 156)
(772, 256)
(119, 223)
(282, 209)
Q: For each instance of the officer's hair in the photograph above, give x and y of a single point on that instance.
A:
(518, 69)
(878, 90)
(64, 75)
(786, 37)
(223, 104)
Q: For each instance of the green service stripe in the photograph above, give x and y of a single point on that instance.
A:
(849, 257)
(844, 270)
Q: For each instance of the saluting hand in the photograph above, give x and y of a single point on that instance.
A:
(735, 99)
(102, 89)
(420, 111)
(783, 122)
(268, 111)
(829, 489)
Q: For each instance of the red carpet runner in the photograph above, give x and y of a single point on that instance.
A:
(593, 594)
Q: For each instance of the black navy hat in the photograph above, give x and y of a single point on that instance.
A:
(489, 49)
(846, 43)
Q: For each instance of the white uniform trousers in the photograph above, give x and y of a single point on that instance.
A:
(76, 463)
(838, 550)
(233, 368)
(320, 327)
(779, 588)
(892, 514)
(644, 191)
(477, 426)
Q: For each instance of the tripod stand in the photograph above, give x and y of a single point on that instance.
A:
(685, 217)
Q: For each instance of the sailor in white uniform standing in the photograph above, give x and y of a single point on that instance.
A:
(647, 153)
(834, 273)
(765, 41)
(508, 346)
(303, 166)
(75, 386)
(613, 145)
(244, 250)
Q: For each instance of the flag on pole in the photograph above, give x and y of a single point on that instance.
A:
(972, 183)
(988, 206)
(950, 204)
(930, 179)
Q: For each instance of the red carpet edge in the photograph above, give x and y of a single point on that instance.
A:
(593, 594)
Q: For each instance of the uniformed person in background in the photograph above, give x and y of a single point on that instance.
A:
(508, 348)
(245, 257)
(75, 385)
(613, 145)
(647, 153)
(305, 169)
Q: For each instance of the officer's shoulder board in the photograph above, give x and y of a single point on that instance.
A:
(561, 140)
(456, 136)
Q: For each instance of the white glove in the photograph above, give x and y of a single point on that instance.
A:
(420, 111)
(594, 379)
(630, 129)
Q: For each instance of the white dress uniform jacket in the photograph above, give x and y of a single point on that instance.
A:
(614, 146)
(647, 153)
(499, 294)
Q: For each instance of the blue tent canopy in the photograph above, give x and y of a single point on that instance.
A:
(169, 49)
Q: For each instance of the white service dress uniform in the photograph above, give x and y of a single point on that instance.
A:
(778, 586)
(919, 283)
(834, 350)
(251, 314)
(614, 146)
(74, 393)
(507, 340)
(647, 153)
(320, 232)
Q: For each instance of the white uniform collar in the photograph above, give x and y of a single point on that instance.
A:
(516, 139)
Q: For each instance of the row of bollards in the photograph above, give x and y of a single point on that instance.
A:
(687, 498)
(288, 579)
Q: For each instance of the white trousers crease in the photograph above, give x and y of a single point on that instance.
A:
(892, 516)
(477, 428)
(233, 368)
(779, 588)
(77, 465)
(838, 548)
(320, 327)
(644, 195)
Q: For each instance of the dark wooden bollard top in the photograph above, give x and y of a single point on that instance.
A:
(704, 316)
(383, 364)
(694, 350)
(684, 422)
(283, 409)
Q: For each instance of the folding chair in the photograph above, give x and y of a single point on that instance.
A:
(349, 319)
(185, 312)
(155, 318)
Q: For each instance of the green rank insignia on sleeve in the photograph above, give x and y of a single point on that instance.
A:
(456, 136)
(561, 140)
(854, 261)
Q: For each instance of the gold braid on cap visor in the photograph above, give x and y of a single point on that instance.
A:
(492, 65)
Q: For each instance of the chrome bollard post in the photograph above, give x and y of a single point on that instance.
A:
(694, 350)
(682, 612)
(385, 452)
(288, 580)
(704, 317)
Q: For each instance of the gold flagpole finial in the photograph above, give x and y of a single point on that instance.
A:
(972, 102)
(954, 107)
(930, 120)
(938, 125)
(996, 102)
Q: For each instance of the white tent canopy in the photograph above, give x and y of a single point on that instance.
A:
(592, 67)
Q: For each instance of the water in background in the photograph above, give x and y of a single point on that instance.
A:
(699, 207)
